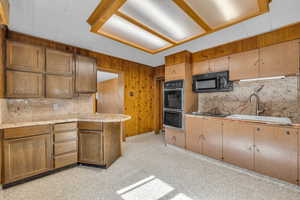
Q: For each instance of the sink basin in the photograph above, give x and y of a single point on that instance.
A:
(276, 120)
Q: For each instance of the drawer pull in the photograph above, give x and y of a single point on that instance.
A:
(258, 129)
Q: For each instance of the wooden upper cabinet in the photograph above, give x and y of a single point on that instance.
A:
(58, 62)
(86, 75)
(238, 144)
(59, 86)
(276, 152)
(175, 72)
(25, 157)
(24, 84)
(212, 138)
(201, 67)
(244, 65)
(193, 133)
(213, 65)
(219, 64)
(25, 57)
(280, 59)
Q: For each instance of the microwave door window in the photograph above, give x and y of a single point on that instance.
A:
(206, 84)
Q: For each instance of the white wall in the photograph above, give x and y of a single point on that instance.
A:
(65, 21)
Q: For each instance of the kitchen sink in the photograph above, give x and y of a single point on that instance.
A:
(276, 120)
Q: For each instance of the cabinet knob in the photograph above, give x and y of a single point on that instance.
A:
(258, 129)
(288, 132)
(257, 150)
(250, 148)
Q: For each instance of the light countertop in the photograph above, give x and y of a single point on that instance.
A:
(97, 117)
(292, 125)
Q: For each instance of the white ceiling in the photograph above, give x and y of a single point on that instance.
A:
(65, 21)
(104, 76)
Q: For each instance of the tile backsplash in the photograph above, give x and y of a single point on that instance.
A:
(278, 98)
(17, 110)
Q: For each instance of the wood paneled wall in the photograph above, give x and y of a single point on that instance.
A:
(284, 34)
(138, 78)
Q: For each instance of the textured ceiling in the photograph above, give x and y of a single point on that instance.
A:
(65, 21)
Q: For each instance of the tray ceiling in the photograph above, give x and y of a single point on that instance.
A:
(156, 25)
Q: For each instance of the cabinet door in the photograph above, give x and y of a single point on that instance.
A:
(112, 142)
(175, 137)
(276, 152)
(238, 144)
(86, 75)
(219, 64)
(193, 133)
(244, 65)
(58, 62)
(175, 72)
(26, 157)
(201, 67)
(24, 84)
(90, 147)
(212, 138)
(280, 59)
(59, 86)
(25, 57)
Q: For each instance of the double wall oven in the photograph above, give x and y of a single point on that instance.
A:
(173, 104)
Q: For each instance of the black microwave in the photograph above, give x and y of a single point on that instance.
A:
(212, 82)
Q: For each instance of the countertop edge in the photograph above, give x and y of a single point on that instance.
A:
(123, 118)
(248, 121)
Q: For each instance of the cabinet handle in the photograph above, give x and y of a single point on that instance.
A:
(288, 132)
(257, 150)
(258, 129)
(250, 148)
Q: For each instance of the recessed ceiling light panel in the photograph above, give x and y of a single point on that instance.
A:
(218, 13)
(164, 17)
(124, 30)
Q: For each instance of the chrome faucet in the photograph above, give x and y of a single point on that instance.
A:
(258, 110)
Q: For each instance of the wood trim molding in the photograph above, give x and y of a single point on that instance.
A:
(190, 12)
(135, 22)
(4, 12)
(263, 5)
(104, 14)
(107, 8)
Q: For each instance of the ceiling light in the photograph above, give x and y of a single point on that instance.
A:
(227, 8)
(123, 29)
(262, 79)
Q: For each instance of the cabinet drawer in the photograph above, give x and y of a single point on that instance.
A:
(11, 133)
(65, 147)
(65, 136)
(65, 127)
(64, 160)
(90, 126)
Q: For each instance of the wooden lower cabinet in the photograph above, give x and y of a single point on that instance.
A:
(193, 134)
(175, 137)
(91, 147)
(276, 152)
(204, 136)
(25, 157)
(238, 144)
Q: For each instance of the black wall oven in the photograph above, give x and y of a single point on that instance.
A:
(173, 104)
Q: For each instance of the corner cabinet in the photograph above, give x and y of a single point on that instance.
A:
(86, 75)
